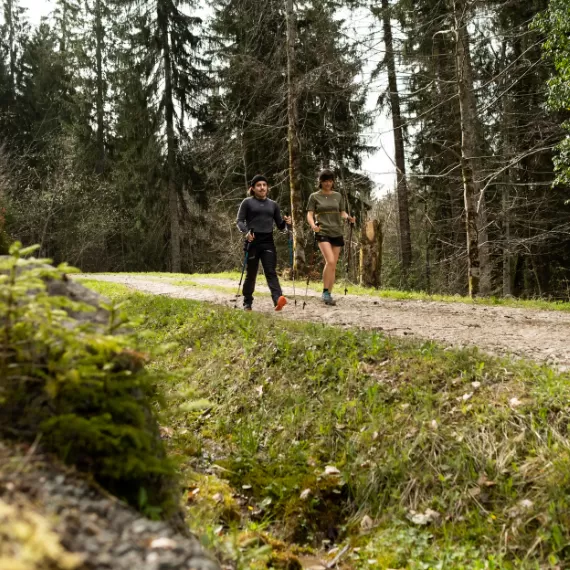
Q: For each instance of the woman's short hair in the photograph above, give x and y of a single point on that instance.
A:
(326, 174)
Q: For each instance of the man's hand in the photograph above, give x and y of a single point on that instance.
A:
(250, 236)
(287, 220)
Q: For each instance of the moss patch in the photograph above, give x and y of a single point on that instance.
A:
(28, 542)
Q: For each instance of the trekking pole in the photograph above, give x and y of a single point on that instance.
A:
(291, 258)
(246, 256)
(311, 266)
(348, 257)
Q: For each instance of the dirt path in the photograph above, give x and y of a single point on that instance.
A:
(543, 336)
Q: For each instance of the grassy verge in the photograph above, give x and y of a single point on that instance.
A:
(413, 455)
(183, 279)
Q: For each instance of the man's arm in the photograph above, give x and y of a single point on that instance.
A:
(241, 221)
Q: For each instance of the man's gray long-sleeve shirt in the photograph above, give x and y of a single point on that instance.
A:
(259, 215)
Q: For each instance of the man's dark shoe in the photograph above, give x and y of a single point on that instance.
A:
(246, 307)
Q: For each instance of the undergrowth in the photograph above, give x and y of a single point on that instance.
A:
(415, 455)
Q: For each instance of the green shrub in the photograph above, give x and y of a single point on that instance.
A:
(78, 387)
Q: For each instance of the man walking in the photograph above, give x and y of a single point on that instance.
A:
(256, 216)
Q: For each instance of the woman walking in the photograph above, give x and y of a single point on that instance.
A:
(325, 212)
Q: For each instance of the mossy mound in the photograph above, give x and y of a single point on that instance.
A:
(78, 387)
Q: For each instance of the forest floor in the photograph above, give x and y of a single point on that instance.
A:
(539, 335)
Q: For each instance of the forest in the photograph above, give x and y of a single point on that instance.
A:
(422, 424)
(129, 131)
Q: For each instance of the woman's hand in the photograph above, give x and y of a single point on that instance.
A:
(351, 219)
(315, 228)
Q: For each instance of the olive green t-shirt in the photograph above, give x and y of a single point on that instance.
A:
(326, 209)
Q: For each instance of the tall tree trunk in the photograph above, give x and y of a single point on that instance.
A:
(175, 265)
(402, 186)
(370, 254)
(469, 152)
(100, 102)
(450, 199)
(293, 144)
(63, 37)
(508, 153)
(9, 11)
(507, 265)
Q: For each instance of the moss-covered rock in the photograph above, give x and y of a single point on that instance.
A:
(69, 380)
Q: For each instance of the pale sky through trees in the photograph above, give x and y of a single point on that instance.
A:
(380, 165)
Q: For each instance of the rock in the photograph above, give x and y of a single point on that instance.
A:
(305, 494)
(80, 294)
(108, 534)
(428, 517)
(366, 523)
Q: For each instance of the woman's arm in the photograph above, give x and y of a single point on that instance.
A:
(311, 220)
(345, 216)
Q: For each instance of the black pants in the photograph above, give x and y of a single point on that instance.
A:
(261, 249)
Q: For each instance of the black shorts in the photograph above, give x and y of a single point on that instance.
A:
(334, 241)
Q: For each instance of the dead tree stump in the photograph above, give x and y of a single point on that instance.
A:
(370, 254)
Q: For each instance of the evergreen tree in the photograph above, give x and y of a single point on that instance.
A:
(136, 177)
(384, 13)
(249, 110)
(14, 32)
(169, 43)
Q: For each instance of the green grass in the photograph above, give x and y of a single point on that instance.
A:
(220, 288)
(182, 279)
(473, 446)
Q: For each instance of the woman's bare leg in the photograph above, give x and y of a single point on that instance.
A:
(330, 255)
(336, 252)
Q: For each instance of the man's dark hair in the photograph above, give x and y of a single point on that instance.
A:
(257, 178)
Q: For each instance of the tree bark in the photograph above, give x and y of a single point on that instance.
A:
(507, 265)
(100, 101)
(469, 152)
(370, 254)
(9, 11)
(293, 146)
(508, 153)
(175, 264)
(63, 37)
(402, 186)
